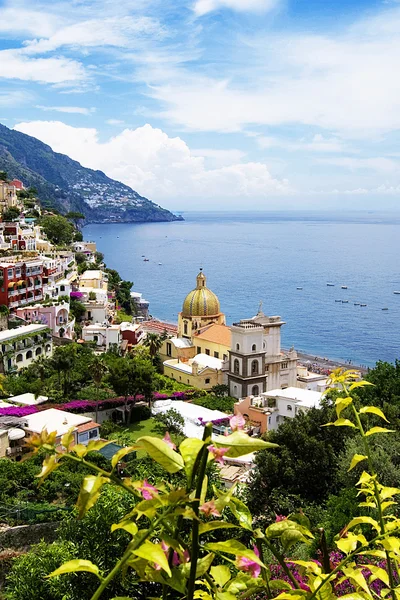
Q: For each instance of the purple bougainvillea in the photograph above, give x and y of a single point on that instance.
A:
(17, 411)
(76, 295)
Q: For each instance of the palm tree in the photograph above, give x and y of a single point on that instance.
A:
(154, 342)
(98, 369)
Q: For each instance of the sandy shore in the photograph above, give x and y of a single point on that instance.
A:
(327, 363)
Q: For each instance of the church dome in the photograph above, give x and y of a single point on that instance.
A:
(200, 302)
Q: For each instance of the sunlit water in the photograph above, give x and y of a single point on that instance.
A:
(249, 257)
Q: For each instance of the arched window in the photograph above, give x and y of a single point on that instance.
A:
(254, 367)
(206, 381)
(29, 354)
(19, 358)
(236, 366)
(48, 347)
(289, 407)
(255, 390)
(185, 328)
(38, 351)
(254, 348)
(62, 288)
(237, 347)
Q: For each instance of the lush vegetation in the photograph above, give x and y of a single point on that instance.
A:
(177, 537)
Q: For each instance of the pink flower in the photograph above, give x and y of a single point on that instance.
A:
(168, 441)
(218, 453)
(250, 566)
(147, 490)
(237, 422)
(280, 518)
(209, 508)
(176, 561)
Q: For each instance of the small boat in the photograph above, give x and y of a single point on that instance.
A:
(385, 308)
(337, 300)
(299, 288)
(344, 287)
(117, 237)
(330, 284)
(146, 260)
(396, 292)
(160, 264)
(363, 305)
(345, 301)
(356, 304)
(143, 255)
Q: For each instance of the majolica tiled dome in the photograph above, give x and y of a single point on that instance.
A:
(201, 302)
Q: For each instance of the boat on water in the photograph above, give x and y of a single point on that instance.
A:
(160, 264)
(344, 287)
(356, 304)
(345, 301)
(299, 288)
(396, 292)
(337, 300)
(330, 284)
(146, 260)
(363, 305)
(386, 308)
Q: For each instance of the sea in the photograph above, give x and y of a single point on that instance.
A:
(281, 261)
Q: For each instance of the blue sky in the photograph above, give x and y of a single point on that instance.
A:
(221, 104)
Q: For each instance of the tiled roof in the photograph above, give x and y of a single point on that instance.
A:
(218, 334)
(159, 327)
(87, 426)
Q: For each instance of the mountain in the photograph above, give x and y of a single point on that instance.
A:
(63, 183)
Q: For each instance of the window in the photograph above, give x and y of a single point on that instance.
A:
(269, 420)
(253, 348)
(255, 390)
(169, 349)
(284, 365)
(48, 347)
(198, 350)
(83, 437)
(29, 354)
(96, 338)
(254, 367)
(236, 366)
(207, 380)
(19, 358)
(216, 354)
(237, 347)
(266, 368)
(180, 378)
(225, 356)
(38, 351)
(10, 273)
(93, 433)
(62, 288)
(185, 328)
(188, 380)
(289, 407)
(207, 352)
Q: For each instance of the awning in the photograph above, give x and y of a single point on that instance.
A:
(15, 434)
(11, 284)
(20, 282)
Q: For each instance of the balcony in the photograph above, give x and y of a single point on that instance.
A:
(39, 297)
(13, 293)
(13, 304)
(30, 288)
(38, 286)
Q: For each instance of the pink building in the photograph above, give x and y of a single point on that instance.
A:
(55, 315)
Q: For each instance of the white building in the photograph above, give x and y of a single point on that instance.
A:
(60, 421)
(256, 361)
(106, 336)
(27, 399)
(192, 414)
(22, 345)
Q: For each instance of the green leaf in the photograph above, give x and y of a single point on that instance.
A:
(363, 521)
(242, 513)
(89, 493)
(276, 529)
(236, 548)
(356, 576)
(96, 445)
(358, 384)
(128, 526)
(225, 596)
(220, 574)
(73, 566)
(213, 525)
(50, 464)
(189, 449)
(291, 537)
(357, 458)
(154, 554)
(378, 573)
(239, 444)
(80, 450)
(162, 453)
(343, 423)
(204, 487)
(279, 584)
(374, 430)
(347, 544)
(388, 492)
(68, 438)
(374, 410)
(341, 404)
(121, 453)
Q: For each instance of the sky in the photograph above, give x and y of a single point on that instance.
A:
(214, 104)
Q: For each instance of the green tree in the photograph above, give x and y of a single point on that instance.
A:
(58, 229)
(77, 309)
(98, 369)
(3, 176)
(132, 376)
(153, 342)
(11, 214)
(170, 421)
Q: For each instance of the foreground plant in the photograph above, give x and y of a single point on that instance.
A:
(188, 567)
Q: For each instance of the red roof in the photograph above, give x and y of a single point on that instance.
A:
(87, 426)
(159, 327)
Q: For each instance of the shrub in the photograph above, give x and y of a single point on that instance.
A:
(224, 403)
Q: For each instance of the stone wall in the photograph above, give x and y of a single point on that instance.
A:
(23, 536)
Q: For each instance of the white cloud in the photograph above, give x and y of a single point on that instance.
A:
(114, 122)
(67, 109)
(14, 98)
(14, 65)
(380, 164)
(156, 165)
(202, 7)
(22, 20)
(219, 157)
(318, 143)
